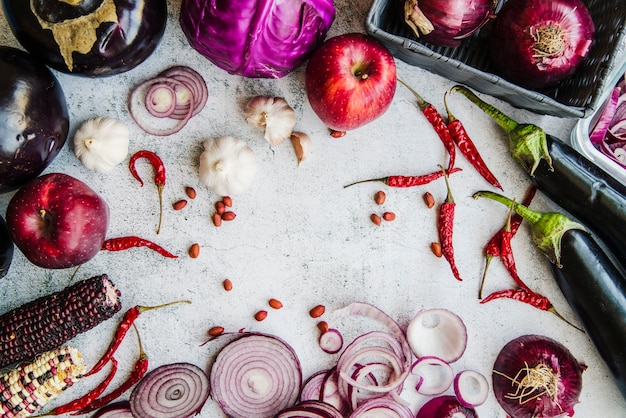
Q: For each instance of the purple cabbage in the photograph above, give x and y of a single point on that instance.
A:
(256, 38)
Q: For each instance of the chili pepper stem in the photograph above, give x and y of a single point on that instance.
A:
(420, 100)
(142, 309)
(528, 143)
(160, 192)
(551, 309)
(488, 259)
(380, 179)
(547, 228)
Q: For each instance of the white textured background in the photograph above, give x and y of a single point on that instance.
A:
(299, 236)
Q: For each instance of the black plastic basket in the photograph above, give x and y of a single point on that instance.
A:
(469, 64)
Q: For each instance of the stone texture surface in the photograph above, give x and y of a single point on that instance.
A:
(299, 236)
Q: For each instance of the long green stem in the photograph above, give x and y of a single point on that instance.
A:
(547, 227)
(528, 144)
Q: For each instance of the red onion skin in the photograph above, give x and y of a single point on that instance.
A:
(529, 351)
(455, 20)
(511, 42)
(445, 406)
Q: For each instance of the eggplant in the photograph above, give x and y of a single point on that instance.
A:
(88, 37)
(587, 192)
(595, 288)
(6, 248)
(34, 115)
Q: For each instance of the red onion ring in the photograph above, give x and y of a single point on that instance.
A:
(194, 82)
(115, 410)
(435, 375)
(310, 409)
(437, 332)
(256, 376)
(471, 388)
(155, 100)
(177, 390)
(135, 104)
(331, 341)
(385, 406)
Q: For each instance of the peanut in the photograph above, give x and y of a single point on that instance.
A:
(275, 303)
(228, 201)
(191, 192)
(194, 250)
(337, 134)
(217, 219)
(215, 331)
(380, 197)
(429, 199)
(220, 207)
(317, 311)
(228, 285)
(180, 204)
(389, 216)
(375, 219)
(436, 248)
(322, 326)
(229, 216)
(260, 315)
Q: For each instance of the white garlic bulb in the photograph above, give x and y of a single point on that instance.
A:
(227, 165)
(273, 115)
(101, 143)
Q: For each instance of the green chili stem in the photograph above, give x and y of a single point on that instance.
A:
(505, 122)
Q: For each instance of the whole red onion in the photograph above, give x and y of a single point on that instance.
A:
(538, 43)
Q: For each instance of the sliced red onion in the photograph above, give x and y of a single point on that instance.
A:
(310, 409)
(446, 407)
(435, 375)
(437, 332)
(331, 341)
(322, 386)
(177, 390)
(471, 388)
(535, 375)
(193, 81)
(160, 100)
(382, 407)
(143, 118)
(603, 123)
(256, 376)
(115, 410)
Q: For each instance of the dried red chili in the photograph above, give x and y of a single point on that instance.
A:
(85, 400)
(407, 181)
(506, 253)
(528, 297)
(127, 321)
(445, 226)
(468, 148)
(159, 175)
(494, 245)
(124, 243)
(438, 123)
(140, 369)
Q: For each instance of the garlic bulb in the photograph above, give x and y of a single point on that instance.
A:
(227, 165)
(273, 115)
(101, 143)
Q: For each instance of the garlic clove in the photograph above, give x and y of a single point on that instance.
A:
(227, 165)
(101, 143)
(272, 115)
(302, 145)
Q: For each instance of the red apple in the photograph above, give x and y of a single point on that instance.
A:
(57, 221)
(350, 81)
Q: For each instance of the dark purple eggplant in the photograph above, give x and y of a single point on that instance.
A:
(34, 120)
(587, 192)
(88, 37)
(6, 248)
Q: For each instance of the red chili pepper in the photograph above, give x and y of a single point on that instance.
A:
(506, 253)
(140, 369)
(407, 181)
(84, 401)
(493, 248)
(529, 297)
(124, 243)
(127, 321)
(159, 175)
(437, 122)
(468, 148)
(446, 227)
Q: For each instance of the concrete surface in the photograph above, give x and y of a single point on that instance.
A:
(299, 236)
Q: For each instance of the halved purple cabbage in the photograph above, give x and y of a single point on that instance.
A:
(256, 38)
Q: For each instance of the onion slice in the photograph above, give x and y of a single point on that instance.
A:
(256, 376)
(310, 409)
(323, 386)
(176, 390)
(331, 341)
(471, 388)
(435, 375)
(115, 410)
(446, 406)
(437, 332)
(385, 406)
